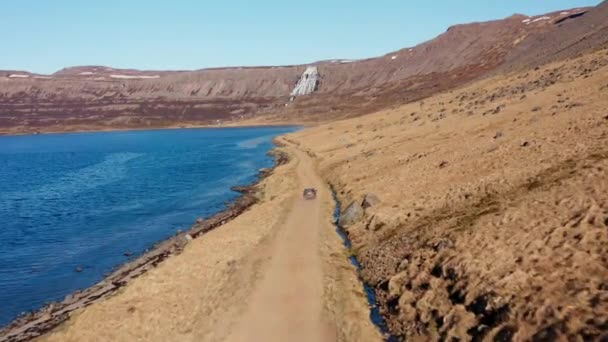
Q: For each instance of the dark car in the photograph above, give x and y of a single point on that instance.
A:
(309, 193)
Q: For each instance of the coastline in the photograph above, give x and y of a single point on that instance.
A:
(161, 128)
(38, 322)
(222, 286)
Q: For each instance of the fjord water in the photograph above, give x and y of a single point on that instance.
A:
(81, 201)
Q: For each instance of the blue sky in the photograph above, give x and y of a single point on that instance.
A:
(47, 35)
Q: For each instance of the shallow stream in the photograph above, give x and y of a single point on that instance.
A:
(374, 312)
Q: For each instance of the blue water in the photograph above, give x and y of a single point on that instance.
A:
(83, 200)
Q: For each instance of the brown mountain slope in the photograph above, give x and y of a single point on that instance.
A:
(492, 223)
(578, 32)
(85, 98)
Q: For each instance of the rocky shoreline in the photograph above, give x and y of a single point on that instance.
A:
(38, 322)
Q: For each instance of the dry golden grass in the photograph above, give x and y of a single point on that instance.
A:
(494, 208)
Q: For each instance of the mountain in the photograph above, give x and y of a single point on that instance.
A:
(572, 35)
(98, 97)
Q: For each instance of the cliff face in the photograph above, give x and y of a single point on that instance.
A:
(97, 97)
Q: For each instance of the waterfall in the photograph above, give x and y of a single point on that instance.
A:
(308, 83)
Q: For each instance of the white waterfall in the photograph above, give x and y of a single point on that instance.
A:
(308, 82)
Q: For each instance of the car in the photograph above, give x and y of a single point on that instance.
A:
(309, 193)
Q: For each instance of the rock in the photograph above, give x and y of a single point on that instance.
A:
(524, 144)
(78, 269)
(434, 305)
(498, 135)
(353, 213)
(242, 189)
(443, 164)
(403, 265)
(199, 220)
(47, 316)
(396, 285)
(408, 313)
(370, 200)
(183, 240)
(69, 298)
(407, 297)
(458, 322)
(422, 280)
(375, 223)
(441, 244)
(127, 254)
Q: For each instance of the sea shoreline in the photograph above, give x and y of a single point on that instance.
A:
(38, 322)
(136, 129)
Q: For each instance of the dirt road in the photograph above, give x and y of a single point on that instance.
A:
(278, 272)
(287, 304)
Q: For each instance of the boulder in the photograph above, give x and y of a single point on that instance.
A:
(353, 213)
(375, 223)
(370, 200)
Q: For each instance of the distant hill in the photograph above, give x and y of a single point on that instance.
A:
(99, 97)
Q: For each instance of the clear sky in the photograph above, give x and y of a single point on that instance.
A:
(46, 35)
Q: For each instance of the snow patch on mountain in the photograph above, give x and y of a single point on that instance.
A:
(133, 77)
